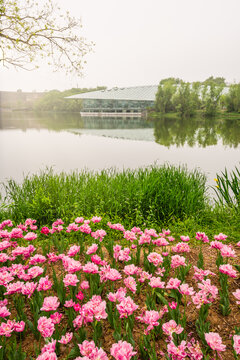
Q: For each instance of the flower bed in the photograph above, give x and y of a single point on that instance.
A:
(80, 292)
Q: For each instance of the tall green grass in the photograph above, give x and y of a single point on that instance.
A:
(228, 188)
(150, 195)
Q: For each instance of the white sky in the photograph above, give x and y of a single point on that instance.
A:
(140, 42)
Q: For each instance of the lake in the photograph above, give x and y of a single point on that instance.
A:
(30, 142)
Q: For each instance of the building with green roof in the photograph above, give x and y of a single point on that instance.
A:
(119, 101)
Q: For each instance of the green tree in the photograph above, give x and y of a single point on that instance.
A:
(232, 99)
(211, 94)
(186, 99)
(55, 100)
(33, 30)
(164, 97)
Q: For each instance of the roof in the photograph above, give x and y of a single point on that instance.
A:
(144, 93)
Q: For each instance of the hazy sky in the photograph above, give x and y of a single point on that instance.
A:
(140, 42)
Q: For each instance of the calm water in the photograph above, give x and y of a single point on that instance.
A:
(30, 142)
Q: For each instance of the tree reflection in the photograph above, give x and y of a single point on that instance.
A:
(196, 132)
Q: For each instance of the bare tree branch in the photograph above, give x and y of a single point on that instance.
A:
(29, 33)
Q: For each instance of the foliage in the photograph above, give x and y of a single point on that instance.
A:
(150, 195)
(232, 99)
(30, 32)
(185, 100)
(55, 100)
(175, 95)
(165, 93)
(211, 94)
(227, 188)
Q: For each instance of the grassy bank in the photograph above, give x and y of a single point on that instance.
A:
(157, 197)
(153, 195)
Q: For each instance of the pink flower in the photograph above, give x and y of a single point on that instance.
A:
(160, 242)
(45, 230)
(37, 259)
(50, 303)
(236, 343)
(106, 273)
(92, 249)
(44, 284)
(7, 328)
(186, 290)
(130, 269)
(96, 219)
(237, 295)
(177, 352)
(90, 268)
(56, 317)
(227, 251)
(85, 228)
(35, 271)
(47, 356)
(184, 238)
(181, 248)
(84, 285)
(130, 283)
(173, 283)
(150, 318)
(202, 236)
(155, 258)
(129, 235)
(4, 312)
(30, 236)
(18, 326)
(73, 250)
(65, 339)
(99, 234)
(87, 348)
(45, 326)
(177, 261)
(72, 227)
(80, 296)
(122, 350)
(155, 282)
(171, 327)
(118, 227)
(70, 280)
(126, 307)
(79, 220)
(29, 288)
(220, 237)
(49, 347)
(215, 341)
(228, 270)
(118, 296)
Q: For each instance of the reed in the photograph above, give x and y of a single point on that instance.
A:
(149, 195)
(227, 188)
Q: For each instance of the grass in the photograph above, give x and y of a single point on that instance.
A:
(152, 195)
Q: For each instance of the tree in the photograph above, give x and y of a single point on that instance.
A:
(185, 99)
(164, 96)
(232, 99)
(29, 32)
(211, 95)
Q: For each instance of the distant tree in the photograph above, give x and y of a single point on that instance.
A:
(186, 99)
(211, 94)
(31, 30)
(164, 96)
(232, 99)
(217, 81)
(55, 100)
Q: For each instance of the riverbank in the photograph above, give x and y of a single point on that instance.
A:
(153, 197)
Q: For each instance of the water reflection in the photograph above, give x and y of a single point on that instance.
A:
(164, 131)
(196, 132)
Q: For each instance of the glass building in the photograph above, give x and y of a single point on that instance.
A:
(118, 100)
